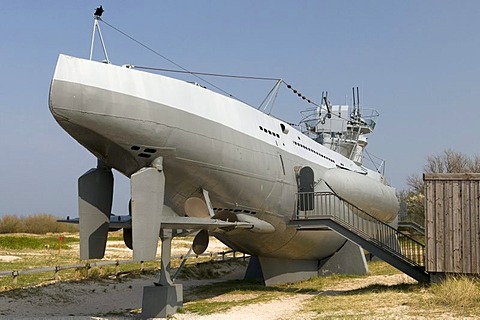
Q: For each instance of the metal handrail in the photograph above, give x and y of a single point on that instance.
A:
(311, 205)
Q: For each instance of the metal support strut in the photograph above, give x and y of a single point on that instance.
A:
(166, 237)
(96, 26)
(148, 189)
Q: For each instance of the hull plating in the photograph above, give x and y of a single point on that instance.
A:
(240, 155)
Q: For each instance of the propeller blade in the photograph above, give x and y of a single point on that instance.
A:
(196, 208)
(200, 243)
(127, 238)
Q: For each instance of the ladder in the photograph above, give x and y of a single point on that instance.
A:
(317, 210)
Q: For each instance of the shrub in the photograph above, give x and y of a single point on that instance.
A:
(37, 224)
(10, 224)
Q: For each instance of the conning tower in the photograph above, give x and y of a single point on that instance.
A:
(342, 128)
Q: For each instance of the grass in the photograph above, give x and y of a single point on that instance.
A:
(453, 298)
(375, 301)
(128, 270)
(380, 268)
(220, 297)
(331, 297)
(36, 251)
(31, 242)
(205, 270)
(461, 294)
(456, 297)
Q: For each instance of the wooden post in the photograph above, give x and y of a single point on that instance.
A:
(15, 276)
(56, 276)
(60, 240)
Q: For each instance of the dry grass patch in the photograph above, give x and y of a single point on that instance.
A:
(375, 301)
(208, 269)
(381, 268)
(457, 294)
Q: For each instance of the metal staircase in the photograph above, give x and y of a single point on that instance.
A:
(317, 210)
(412, 225)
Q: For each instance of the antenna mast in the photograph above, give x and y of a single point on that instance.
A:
(356, 104)
(96, 27)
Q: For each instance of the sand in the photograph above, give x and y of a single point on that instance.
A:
(122, 298)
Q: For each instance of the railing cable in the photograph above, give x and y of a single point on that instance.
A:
(169, 60)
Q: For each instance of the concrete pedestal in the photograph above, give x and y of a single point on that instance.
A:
(161, 301)
(350, 259)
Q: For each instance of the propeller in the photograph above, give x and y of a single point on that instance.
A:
(197, 208)
(200, 242)
(127, 232)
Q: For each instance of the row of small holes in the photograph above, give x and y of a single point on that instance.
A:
(311, 150)
(269, 132)
(235, 210)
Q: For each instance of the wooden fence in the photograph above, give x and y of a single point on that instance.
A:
(452, 223)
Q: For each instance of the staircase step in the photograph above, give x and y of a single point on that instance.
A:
(382, 240)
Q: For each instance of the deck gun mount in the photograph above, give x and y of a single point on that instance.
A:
(342, 128)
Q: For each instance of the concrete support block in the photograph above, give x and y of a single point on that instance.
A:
(350, 259)
(254, 270)
(278, 271)
(161, 301)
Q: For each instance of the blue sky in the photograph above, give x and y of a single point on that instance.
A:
(416, 62)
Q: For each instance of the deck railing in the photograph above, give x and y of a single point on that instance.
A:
(316, 205)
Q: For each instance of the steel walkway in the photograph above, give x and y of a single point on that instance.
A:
(325, 209)
(412, 225)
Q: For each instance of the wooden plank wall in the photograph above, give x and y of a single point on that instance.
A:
(452, 229)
